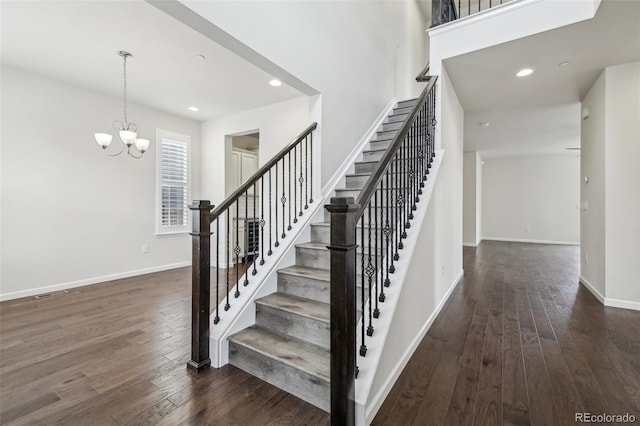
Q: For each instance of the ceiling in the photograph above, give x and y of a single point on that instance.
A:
(541, 113)
(76, 42)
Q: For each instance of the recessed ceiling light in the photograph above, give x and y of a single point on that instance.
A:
(201, 57)
(563, 64)
(524, 72)
(275, 83)
(485, 124)
(193, 108)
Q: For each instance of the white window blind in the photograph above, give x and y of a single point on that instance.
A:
(174, 191)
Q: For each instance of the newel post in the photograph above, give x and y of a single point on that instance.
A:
(343, 309)
(200, 288)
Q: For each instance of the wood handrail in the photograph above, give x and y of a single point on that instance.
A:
(423, 75)
(372, 184)
(261, 172)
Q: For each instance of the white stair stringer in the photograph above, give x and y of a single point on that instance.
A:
(367, 405)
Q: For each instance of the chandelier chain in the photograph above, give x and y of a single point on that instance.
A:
(125, 90)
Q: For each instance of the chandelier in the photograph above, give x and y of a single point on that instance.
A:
(127, 132)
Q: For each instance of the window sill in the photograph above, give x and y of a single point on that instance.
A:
(171, 234)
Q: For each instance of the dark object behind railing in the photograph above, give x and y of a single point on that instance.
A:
(366, 239)
(289, 171)
(443, 11)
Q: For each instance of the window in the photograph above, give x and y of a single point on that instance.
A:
(173, 165)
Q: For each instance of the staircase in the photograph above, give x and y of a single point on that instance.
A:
(289, 344)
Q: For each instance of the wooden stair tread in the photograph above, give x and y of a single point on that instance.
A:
(306, 357)
(297, 305)
(307, 271)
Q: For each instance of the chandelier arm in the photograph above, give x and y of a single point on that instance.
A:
(119, 152)
(131, 154)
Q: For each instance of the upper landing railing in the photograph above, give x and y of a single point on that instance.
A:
(443, 11)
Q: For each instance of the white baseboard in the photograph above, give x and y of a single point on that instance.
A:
(523, 240)
(90, 281)
(378, 399)
(624, 304)
(607, 301)
(592, 289)
(469, 245)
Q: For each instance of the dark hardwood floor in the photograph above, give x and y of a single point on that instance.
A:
(520, 342)
(116, 353)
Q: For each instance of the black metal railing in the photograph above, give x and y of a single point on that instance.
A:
(366, 241)
(246, 226)
(443, 11)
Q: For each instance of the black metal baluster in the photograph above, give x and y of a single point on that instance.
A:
(370, 269)
(283, 200)
(300, 179)
(433, 125)
(377, 254)
(254, 234)
(262, 222)
(246, 240)
(388, 232)
(363, 346)
(398, 207)
(469, 8)
(289, 183)
(412, 171)
(275, 206)
(405, 181)
(236, 249)
(312, 168)
(306, 172)
(227, 306)
(217, 317)
(295, 187)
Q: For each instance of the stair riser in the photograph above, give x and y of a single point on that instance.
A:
(353, 182)
(372, 155)
(292, 380)
(290, 324)
(392, 126)
(320, 258)
(317, 290)
(356, 181)
(322, 234)
(383, 144)
(409, 103)
(402, 110)
(382, 196)
(382, 212)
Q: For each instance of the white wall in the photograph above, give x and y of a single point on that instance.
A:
(592, 159)
(346, 51)
(72, 215)
(278, 125)
(622, 196)
(472, 199)
(534, 199)
(611, 161)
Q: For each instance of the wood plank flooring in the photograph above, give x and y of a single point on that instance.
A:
(116, 353)
(520, 342)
